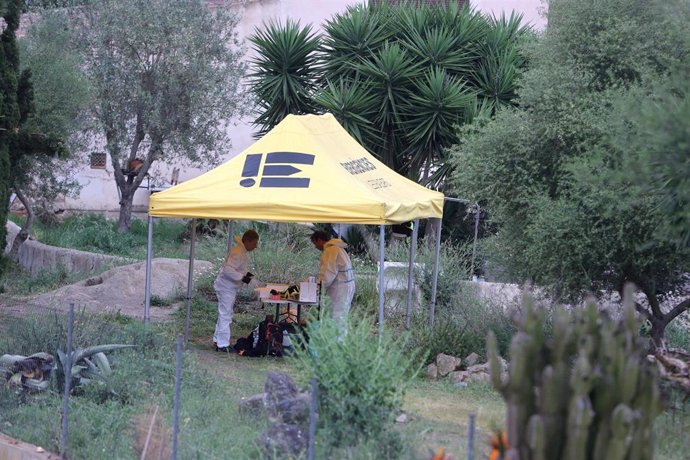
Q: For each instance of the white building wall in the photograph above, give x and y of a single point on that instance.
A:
(532, 10)
(99, 192)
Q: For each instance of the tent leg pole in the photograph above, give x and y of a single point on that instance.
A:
(149, 253)
(230, 229)
(410, 272)
(382, 245)
(432, 306)
(190, 281)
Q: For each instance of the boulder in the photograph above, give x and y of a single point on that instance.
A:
(478, 368)
(479, 377)
(446, 364)
(432, 371)
(282, 441)
(279, 387)
(253, 405)
(471, 359)
(295, 410)
(458, 376)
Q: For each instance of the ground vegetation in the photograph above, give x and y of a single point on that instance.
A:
(578, 177)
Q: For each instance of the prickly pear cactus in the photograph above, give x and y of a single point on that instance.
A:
(584, 391)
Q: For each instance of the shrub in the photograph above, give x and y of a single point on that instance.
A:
(361, 378)
(449, 337)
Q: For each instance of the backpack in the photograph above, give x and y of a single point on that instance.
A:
(270, 339)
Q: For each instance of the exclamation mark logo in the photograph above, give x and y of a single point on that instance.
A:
(251, 169)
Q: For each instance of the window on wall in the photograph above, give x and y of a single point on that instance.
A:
(98, 160)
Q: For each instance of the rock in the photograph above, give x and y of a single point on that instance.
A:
(479, 377)
(460, 385)
(278, 388)
(282, 441)
(402, 418)
(432, 371)
(446, 364)
(94, 281)
(471, 359)
(458, 376)
(478, 368)
(295, 411)
(253, 405)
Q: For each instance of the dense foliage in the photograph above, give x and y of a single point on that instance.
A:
(587, 177)
(60, 94)
(397, 78)
(361, 380)
(20, 139)
(166, 78)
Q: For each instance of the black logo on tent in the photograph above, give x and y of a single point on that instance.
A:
(358, 166)
(278, 167)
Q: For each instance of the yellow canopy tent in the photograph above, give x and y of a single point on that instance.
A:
(306, 169)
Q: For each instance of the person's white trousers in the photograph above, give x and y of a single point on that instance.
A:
(226, 299)
(341, 295)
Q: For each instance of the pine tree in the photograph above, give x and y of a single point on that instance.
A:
(9, 108)
(16, 141)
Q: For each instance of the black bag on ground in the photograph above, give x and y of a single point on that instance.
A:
(266, 339)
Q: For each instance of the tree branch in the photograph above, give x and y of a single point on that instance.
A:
(677, 310)
(139, 134)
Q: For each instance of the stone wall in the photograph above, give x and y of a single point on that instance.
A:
(36, 257)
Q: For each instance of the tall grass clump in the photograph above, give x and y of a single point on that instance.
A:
(462, 318)
(361, 379)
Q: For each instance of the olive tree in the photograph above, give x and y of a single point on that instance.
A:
(575, 175)
(166, 78)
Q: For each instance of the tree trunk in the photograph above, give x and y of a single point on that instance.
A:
(657, 334)
(125, 219)
(23, 234)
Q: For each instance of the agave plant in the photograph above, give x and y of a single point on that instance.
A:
(27, 372)
(87, 364)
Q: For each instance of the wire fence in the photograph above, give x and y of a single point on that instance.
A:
(164, 429)
(157, 441)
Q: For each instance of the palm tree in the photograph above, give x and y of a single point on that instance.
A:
(400, 79)
(285, 72)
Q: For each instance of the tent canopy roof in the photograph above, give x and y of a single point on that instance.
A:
(306, 169)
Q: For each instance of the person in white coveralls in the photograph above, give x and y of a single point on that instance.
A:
(229, 280)
(335, 275)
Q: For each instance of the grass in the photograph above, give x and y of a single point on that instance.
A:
(439, 416)
(103, 425)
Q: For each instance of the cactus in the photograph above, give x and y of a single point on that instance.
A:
(584, 392)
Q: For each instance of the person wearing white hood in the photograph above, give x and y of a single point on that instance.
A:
(229, 280)
(335, 275)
